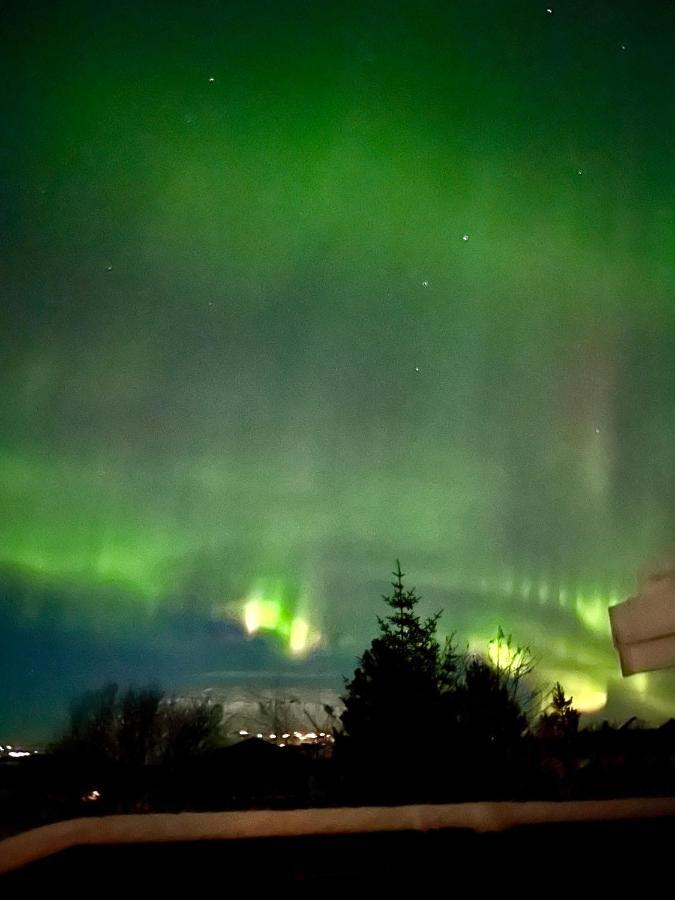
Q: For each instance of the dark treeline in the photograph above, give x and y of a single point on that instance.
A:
(422, 722)
(425, 722)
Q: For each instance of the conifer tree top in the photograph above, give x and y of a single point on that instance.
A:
(403, 628)
(403, 669)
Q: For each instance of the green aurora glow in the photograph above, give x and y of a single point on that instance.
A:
(248, 355)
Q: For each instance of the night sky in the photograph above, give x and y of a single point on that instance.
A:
(291, 289)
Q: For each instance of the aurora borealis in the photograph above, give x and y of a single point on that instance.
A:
(292, 289)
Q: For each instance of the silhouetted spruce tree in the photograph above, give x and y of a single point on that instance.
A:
(557, 730)
(561, 719)
(396, 704)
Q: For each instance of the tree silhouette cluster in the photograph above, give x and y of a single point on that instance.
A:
(139, 726)
(422, 722)
(123, 748)
(420, 717)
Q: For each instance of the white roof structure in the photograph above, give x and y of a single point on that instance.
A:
(643, 627)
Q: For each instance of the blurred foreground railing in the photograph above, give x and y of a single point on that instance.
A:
(157, 828)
